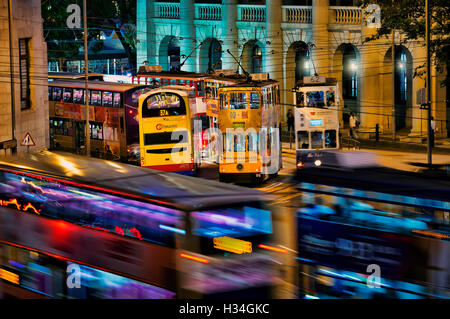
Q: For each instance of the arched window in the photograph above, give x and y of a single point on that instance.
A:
(349, 73)
(173, 53)
(256, 59)
(303, 65)
(401, 77)
(215, 55)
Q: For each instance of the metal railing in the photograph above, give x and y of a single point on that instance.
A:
(350, 143)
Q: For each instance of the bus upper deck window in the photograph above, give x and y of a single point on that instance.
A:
(173, 81)
(165, 81)
(208, 92)
(300, 99)
(330, 98)
(254, 100)
(78, 96)
(96, 98)
(67, 95)
(200, 85)
(57, 94)
(107, 98)
(302, 140)
(330, 139)
(315, 99)
(223, 101)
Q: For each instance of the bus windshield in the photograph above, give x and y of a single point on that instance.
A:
(315, 99)
(163, 104)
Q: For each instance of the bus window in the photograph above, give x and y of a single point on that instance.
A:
(107, 98)
(96, 130)
(166, 138)
(330, 98)
(181, 82)
(163, 104)
(78, 96)
(57, 94)
(117, 100)
(303, 140)
(317, 139)
(173, 81)
(200, 86)
(67, 95)
(241, 101)
(164, 82)
(330, 139)
(208, 92)
(315, 99)
(96, 98)
(254, 100)
(239, 142)
(300, 99)
(214, 92)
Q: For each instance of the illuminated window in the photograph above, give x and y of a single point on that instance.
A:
(24, 68)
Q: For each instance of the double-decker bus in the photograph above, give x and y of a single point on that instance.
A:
(316, 117)
(249, 119)
(121, 231)
(166, 131)
(74, 76)
(112, 115)
(373, 232)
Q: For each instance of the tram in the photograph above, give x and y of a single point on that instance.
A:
(316, 118)
(150, 234)
(74, 76)
(249, 119)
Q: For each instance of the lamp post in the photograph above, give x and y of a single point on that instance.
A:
(428, 17)
(86, 91)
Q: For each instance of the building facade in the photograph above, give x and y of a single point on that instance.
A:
(290, 39)
(23, 72)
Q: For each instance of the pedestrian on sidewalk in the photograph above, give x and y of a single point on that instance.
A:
(353, 124)
(290, 120)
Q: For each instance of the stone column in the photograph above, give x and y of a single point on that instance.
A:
(320, 53)
(438, 104)
(370, 88)
(145, 46)
(419, 117)
(187, 32)
(274, 46)
(229, 34)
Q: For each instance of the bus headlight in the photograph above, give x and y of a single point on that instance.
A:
(318, 162)
(300, 164)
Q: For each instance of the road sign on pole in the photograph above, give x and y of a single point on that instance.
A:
(27, 141)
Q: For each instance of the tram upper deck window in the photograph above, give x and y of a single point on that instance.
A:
(117, 101)
(67, 95)
(163, 104)
(223, 101)
(254, 100)
(209, 92)
(96, 98)
(78, 96)
(300, 99)
(302, 140)
(315, 99)
(238, 101)
(330, 98)
(107, 98)
(317, 139)
(330, 139)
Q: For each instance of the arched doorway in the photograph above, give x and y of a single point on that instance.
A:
(252, 57)
(210, 56)
(402, 85)
(169, 53)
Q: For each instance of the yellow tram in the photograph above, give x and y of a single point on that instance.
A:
(249, 120)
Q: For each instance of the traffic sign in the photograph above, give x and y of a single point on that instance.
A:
(27, 141)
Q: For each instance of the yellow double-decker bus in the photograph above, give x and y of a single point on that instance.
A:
(166, 131)
(249, 120)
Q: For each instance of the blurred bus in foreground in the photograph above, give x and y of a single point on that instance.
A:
(166, 130)
(149, 234)
(316, 116)
(113, 118)
(249, 120)
(373, 232)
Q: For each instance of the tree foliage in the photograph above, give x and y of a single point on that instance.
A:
(64, 43)
(408, 16)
